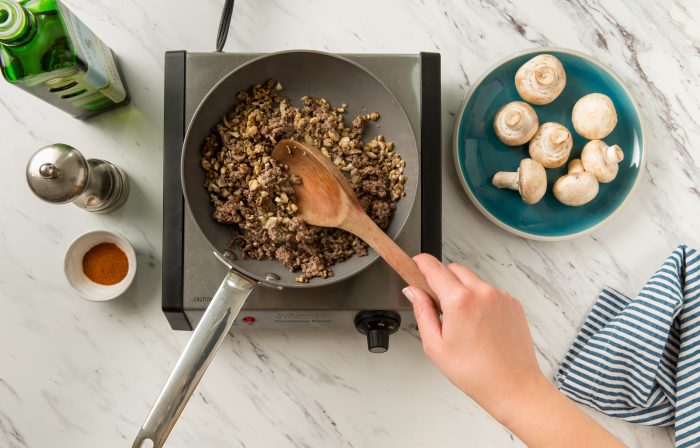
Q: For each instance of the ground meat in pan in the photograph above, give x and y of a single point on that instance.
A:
(255, 194)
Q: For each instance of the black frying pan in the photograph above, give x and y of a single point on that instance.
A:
(301, 73)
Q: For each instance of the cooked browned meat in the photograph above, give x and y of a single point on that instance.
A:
(255, 194)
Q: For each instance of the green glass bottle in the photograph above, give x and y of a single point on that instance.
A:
(46, 50)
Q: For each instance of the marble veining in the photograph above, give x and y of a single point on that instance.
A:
(74, 373)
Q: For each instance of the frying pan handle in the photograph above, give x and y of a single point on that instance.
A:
(224, 25)
(194, 360)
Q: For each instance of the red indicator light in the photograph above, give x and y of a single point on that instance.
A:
(250, 320)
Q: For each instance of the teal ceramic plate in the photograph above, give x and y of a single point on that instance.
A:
(478, 154)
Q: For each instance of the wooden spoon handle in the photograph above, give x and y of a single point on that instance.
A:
(363, 227)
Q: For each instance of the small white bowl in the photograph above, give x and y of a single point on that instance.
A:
(73, 266)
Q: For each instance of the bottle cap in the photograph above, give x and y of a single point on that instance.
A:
(57, 173)
(13, 20)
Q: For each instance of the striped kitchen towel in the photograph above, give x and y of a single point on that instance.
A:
(639, 359)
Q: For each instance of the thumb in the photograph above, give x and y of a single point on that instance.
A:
(429, 325)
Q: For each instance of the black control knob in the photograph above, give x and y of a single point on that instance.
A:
(377, 325)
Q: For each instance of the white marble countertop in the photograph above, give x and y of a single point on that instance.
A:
(79, 374)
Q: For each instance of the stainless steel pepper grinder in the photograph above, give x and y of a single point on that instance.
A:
(60, 174)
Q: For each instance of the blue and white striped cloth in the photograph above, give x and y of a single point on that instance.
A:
(639, 359)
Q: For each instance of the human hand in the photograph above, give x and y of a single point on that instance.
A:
(483, 345)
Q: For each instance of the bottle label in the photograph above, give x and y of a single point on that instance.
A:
(102, 71)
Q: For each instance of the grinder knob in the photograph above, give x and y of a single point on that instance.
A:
(377, 325)
(378, 340)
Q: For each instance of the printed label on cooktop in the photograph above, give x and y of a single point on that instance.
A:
(293, 318)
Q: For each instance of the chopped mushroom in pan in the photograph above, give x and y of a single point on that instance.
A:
(251, 191)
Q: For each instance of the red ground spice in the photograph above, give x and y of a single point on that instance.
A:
(105, 264)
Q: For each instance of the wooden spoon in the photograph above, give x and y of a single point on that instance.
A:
(325, 199)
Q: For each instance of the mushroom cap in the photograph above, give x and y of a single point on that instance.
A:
(532, 181)
(594, 116)
(541, 79)
(551, 145)
(515, 123)
(601, 160)
(576, 188)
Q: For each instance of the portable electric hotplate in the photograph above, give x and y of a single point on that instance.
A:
(371, 300)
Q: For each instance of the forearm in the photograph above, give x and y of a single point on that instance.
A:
(543, 417)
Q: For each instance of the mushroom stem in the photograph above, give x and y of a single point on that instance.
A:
(575, 166)
(614, 154)
(504, 179)
(513, 118)
(545, 76)
(559, 136)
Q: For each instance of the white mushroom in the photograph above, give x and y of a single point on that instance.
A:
(515, 123)
(530, 180)
(601, 160)
(594, 116)
(551, 145)
(576, 188)
(541, 79)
